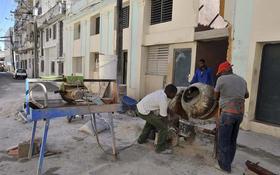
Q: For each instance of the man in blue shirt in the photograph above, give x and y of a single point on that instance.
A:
(203, 74)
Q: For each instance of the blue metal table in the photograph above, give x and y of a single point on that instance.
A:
(49, 109)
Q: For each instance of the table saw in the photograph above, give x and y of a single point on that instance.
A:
(46, 109)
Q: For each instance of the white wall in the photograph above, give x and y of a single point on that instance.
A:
(256, 23)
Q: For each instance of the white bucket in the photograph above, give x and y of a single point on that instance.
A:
(108, 67)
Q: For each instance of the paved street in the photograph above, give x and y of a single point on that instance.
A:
(7, 81)
(81, 155)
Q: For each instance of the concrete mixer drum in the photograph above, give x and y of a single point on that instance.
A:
(198, 101)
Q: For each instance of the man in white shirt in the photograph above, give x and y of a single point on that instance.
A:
(147, 109)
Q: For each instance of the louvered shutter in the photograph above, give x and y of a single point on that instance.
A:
(167, 6)
(157, 61)
(125, 19)
(155, 11)
(161, 11)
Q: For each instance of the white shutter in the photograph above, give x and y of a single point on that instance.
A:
(157, 61)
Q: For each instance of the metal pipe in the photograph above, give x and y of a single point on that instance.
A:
(45, 94)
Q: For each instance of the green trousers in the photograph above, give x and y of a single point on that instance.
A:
(153, 121)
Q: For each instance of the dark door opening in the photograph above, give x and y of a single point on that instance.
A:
(124, 67)
(268, 100)
(213, 52)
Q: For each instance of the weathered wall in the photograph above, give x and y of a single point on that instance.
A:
(255, 22)
(180, 29)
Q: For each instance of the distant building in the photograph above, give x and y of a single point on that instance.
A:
(51, 14)
(24, 37)
(8, 49)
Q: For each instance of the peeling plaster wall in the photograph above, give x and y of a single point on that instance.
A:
(255, 23)
(210, 9)
(242, 36)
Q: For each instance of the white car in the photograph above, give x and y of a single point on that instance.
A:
(20, 73)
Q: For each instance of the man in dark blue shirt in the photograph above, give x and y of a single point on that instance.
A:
(203, 74)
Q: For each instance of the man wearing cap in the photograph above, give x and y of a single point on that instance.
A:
(231, 91)
(203, 74)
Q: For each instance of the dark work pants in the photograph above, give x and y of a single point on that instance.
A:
(153, 121)
(227, 135)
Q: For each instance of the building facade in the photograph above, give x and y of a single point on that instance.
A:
(160, 40)
(255, 56)
(24, 37)
(51, 14)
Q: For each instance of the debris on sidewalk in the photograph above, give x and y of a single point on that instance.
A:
(21, 150)
(256, 169)
(101, 126)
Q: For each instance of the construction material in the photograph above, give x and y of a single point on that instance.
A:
(198, 101)
(101, 126)
(22, 149)
(257, 169)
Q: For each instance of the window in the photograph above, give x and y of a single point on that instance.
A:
(54, 31)
(77, 65)
(50, 30)
(161, 11)
(47, 35)
(52, 67)
(157, 61)
(60, 68)
(96, 62)
(97, 25)
(39, 10)
(42, 66)
(94, 25)
(125, 20)
(41, 44)
(60, 38)
(29, 63)
(77, 31)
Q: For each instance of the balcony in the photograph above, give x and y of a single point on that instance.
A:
(52, 15)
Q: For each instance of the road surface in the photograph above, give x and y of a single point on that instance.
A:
(81, 155)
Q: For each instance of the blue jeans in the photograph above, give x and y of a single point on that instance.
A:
(227, 135)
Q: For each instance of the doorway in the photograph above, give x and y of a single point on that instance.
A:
(268, 100)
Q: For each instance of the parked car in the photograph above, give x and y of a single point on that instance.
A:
(20, 73)
(2, 67)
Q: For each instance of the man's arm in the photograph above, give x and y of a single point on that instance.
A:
(194, 79)
(247, 95)
(216, 95)
(247, 92)
(163, 108)
(217, 90)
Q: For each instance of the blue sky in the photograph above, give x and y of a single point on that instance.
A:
(6, 20)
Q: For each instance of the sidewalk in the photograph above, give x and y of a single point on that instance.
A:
(259, 142)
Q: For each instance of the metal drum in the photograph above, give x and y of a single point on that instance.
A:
(198, 101)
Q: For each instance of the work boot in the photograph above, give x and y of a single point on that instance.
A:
(217, 166)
